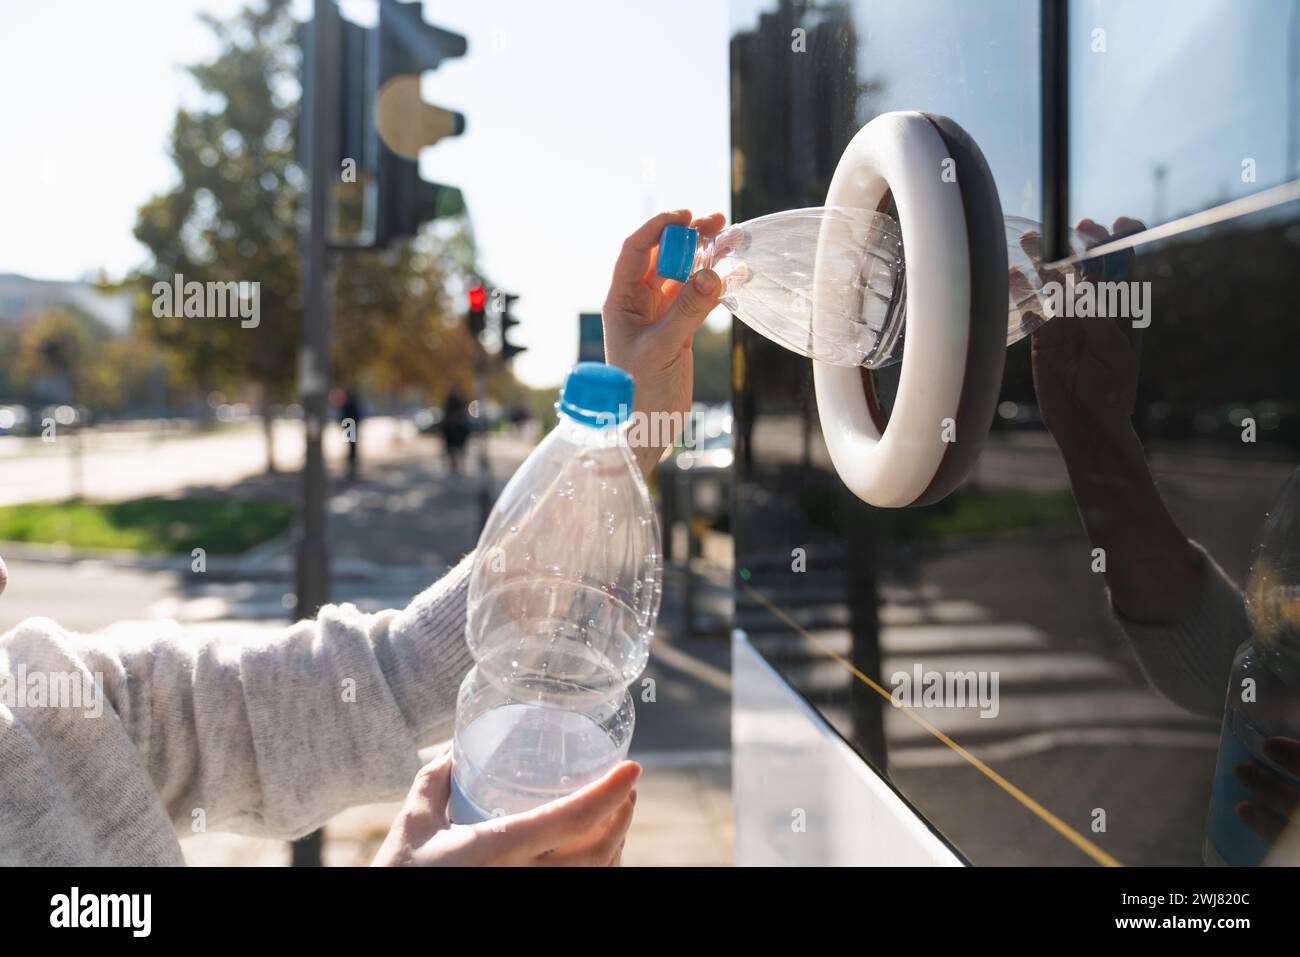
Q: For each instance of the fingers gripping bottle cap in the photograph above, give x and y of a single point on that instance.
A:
(597, 394)
(677, 252)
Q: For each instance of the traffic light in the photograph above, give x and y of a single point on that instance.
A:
(508, 349)
(383, 124)
(409, 45)
(405, 47)
(477, 310)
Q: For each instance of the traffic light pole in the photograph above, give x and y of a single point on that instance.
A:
(322, 95)
(484, 468)
(404, 45)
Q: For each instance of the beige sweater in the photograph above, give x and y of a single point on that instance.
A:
(270, 737)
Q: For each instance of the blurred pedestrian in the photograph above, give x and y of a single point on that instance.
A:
(455, 429)
(350, 420)
(519, 417)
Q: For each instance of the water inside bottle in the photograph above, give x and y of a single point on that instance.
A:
(518, 756)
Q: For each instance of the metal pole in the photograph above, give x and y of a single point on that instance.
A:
(686, 484)
(1054, 99)
(484, 469)
(321, 131)
(78, 462)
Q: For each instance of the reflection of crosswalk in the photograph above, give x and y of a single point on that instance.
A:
(1048, 696)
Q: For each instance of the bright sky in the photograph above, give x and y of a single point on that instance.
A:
(583, 118)
(587, 116)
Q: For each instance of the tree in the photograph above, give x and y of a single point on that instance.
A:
(232, 215)
(395, 327)
(55, 359)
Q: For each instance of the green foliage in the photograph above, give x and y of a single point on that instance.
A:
(160, 525)
(395, 328)
(970, 513)
(232, 215)
(541, 404)
(9, 375)
(63, 355)
(978, 513)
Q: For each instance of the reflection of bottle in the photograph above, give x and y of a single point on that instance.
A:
(1263, 700)
(767, 268)
(561, 607)
(1271, 712)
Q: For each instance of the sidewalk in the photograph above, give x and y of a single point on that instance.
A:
(683, 818)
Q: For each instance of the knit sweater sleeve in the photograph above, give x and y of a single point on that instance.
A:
(275, 735)
(1190, 660)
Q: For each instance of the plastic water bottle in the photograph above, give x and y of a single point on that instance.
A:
(562, 604)
(1261, 720)
(767, 266)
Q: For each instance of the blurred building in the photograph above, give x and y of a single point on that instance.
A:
(22, 297)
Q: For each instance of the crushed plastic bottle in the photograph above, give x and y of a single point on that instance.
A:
(767, 268)
(562, 605)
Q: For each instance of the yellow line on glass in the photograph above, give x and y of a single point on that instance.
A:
(1046, 816)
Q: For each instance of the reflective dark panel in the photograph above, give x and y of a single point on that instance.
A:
(1135, 457)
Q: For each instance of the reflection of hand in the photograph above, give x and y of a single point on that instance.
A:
(1085, 370)
(588, 827)
(650, 322)
(1275, 800)
(1085, 376)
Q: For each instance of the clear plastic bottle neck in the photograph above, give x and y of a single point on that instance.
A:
(589, 436)
(767, 267)
(863, 323)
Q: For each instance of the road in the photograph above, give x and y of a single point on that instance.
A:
(391, 534)
(119, 463)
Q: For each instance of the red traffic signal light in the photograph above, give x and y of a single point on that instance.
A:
(477, 317)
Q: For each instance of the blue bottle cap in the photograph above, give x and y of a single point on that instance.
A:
(597, 394)
(677, 252)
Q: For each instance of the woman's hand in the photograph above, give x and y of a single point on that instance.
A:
(588, 827)
(1085, 369)
(1085, 376)
(650, 323)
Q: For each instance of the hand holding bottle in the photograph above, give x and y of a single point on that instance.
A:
(560, 611)
(587, 827)
(650, 321)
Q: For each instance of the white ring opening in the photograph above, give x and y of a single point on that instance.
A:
(904, 155)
